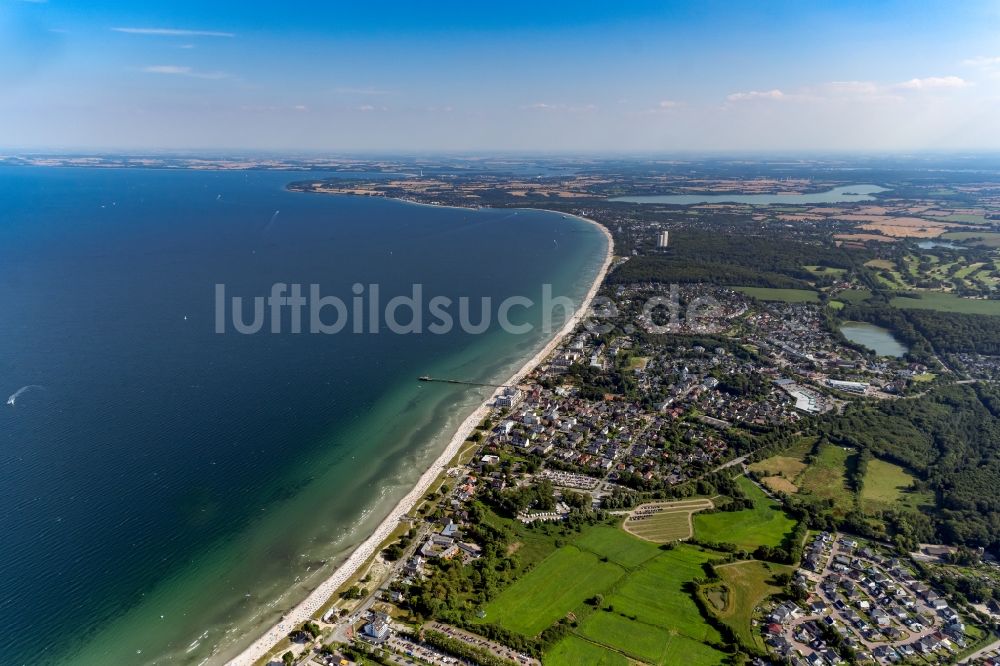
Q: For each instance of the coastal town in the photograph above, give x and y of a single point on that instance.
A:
(655, 403)
(727, 401)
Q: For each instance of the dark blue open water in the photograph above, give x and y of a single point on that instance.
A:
(165, 486)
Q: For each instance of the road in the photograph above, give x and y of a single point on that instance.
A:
(995, 645)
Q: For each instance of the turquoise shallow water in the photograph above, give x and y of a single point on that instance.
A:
(170, 490)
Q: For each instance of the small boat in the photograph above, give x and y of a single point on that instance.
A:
(424, 378)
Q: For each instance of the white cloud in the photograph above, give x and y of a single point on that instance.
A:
(668, 104)
(180, 70)
(174, 32)
(853, 91)
(755, 94)
(982, 62)
(933, 82)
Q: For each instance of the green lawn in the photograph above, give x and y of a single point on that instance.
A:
(825, 270)
(786, 295)
(947, 302)
(826, 478)
(886, 486)
(764, 525)
(560, 583)
(650, 643)
(650, 615)
(656, 594)
(617, 545)
(573, 651)
(854, 295)
(748, 586)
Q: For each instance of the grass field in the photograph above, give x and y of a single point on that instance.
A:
(621, 548)
(947, 302)
(825, 270)
(989, 239)
(661, 522)
(883, 264)
(648, 615)
(650, 643)
(748, 584)
(560, 583)
(786, 295)
(886, 486)
(966, 218)
(826, 478)
(764, 525)
(781, 470)
(573, 650)
(854, 295)
(652, 616)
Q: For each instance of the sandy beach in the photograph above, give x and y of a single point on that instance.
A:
(322, 594)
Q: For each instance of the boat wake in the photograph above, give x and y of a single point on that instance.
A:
(21, 391)
(267, 227)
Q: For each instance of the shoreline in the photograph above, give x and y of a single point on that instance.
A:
(316, 599)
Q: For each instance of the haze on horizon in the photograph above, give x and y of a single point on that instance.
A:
(557, 76)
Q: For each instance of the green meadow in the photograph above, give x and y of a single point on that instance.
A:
(785, 295)
(947, 302)
(763, 525)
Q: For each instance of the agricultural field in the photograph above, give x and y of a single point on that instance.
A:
(887, 485)
(966, 218)
(826, 478)
(623, 549)
(573, 650)
(661, 522)
(780, 471)
(854, 295)
(947, 302)
(560, 583)
(985, 238)
(763, 525)
(785, 295)
(746, 585)
(651, 616)
(649, 643)
(646, 615)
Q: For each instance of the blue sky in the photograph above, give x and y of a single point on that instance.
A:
(521, 76)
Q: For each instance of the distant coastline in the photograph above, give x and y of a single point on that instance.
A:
(316, 599)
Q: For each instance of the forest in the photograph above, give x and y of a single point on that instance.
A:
(726, 259)
(951, 439)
